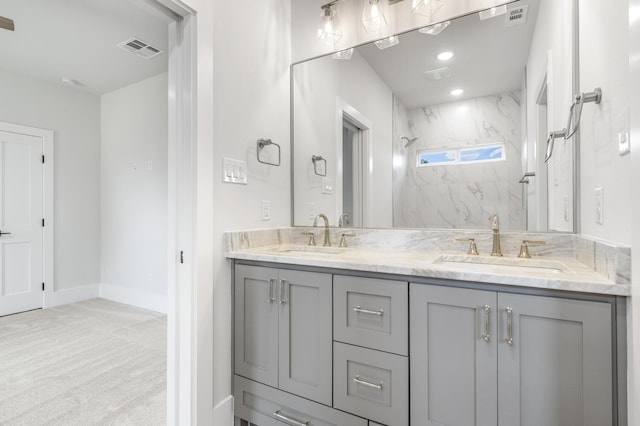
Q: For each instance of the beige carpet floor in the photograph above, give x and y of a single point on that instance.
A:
(90, 363)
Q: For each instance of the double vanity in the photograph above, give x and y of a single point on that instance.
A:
(404, 327)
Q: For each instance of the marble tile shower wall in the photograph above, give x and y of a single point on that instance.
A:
(458, 196)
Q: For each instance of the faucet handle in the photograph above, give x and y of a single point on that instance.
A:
(473, 248)
(312, 238)
(524, 248)
(343, 238)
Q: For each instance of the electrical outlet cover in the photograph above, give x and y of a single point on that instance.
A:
(599, 206)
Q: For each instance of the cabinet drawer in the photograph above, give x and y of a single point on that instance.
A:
(266, 406)
(371, 384)
(372, 313)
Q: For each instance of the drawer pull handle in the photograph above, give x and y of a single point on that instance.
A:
(289, 420)
(359, 381)
(360, 310)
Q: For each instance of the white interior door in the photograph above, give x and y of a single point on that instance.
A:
(21, 215)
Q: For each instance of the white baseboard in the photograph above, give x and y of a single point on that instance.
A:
(71, 295)
(223, 412)
(142, 299)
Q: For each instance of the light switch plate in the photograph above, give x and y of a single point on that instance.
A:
(327, 186)
(599, 206)
(266, 210)
(624, 144)
(234, 171)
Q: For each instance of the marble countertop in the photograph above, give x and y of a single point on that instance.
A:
(557, 273)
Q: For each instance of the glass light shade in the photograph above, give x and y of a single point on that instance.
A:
(426, 7)
(387, 42)
(435, 29)
(373, 15)
(330, 31)
(343, 54)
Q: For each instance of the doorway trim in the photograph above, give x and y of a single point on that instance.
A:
(47, 204)
(355, 117)
(181, 285)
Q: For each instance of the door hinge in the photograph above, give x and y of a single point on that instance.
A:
(43, 159)
(43, 222)
(42, 286)
(181, 256)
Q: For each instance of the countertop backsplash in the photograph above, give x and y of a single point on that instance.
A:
(609, 260)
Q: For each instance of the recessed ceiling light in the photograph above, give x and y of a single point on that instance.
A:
(457, 92)
(445, 56)
(69, 81)
(435, 29)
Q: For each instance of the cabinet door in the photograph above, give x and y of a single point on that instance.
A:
(453, 356)
(557, 369)
(305, 334)
(256, 324)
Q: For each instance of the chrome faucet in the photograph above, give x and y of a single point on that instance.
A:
(495, 226)
(344, 220)
(327, 240)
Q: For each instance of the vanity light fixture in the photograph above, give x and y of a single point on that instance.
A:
(492, 12)
(457, 92)
(373, 15)
(435, 29)
(426, 7)
(445, 56)
(330, 30)
(387, 42)
(343, 54)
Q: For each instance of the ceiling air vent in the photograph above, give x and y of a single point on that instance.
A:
(516, 16)
(140, 48)
(438, 74)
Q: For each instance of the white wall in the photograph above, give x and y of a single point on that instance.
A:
(604, 59)
(399, 18)
(251, 58)
(134, 194)
(551, 55)
(633, 304)
(319, 87)
(74, 117)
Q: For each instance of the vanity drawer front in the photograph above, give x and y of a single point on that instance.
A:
(372, 313)
(266, 406)
(371, 384)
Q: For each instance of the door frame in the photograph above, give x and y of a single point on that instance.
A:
(47, 137)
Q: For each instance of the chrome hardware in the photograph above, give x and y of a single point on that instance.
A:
(315, 159)
(289, 420)
(359, 381)
(344, 220)
(360, 310)
(473, 248)
(283, 284)
(509, 338)
(495, 226)
(552, 137)
(487, 311)
(327, 240)
(526, 176)
(343, 238)
(312, 238)
(579, 101)
(271, 299)
(524, 248)
(261, 144)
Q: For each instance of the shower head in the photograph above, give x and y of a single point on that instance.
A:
(408, 142)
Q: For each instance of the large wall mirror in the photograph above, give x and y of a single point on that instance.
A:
(443, 129)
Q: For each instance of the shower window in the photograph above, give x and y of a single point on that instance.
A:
(464, 155)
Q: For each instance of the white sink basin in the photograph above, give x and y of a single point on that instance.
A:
(501, 264)
(315, 250)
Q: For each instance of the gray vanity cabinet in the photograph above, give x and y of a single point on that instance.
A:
(283, 332)
(487, 358)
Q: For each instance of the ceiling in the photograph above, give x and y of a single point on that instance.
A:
(77, 40)
(489, 58)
